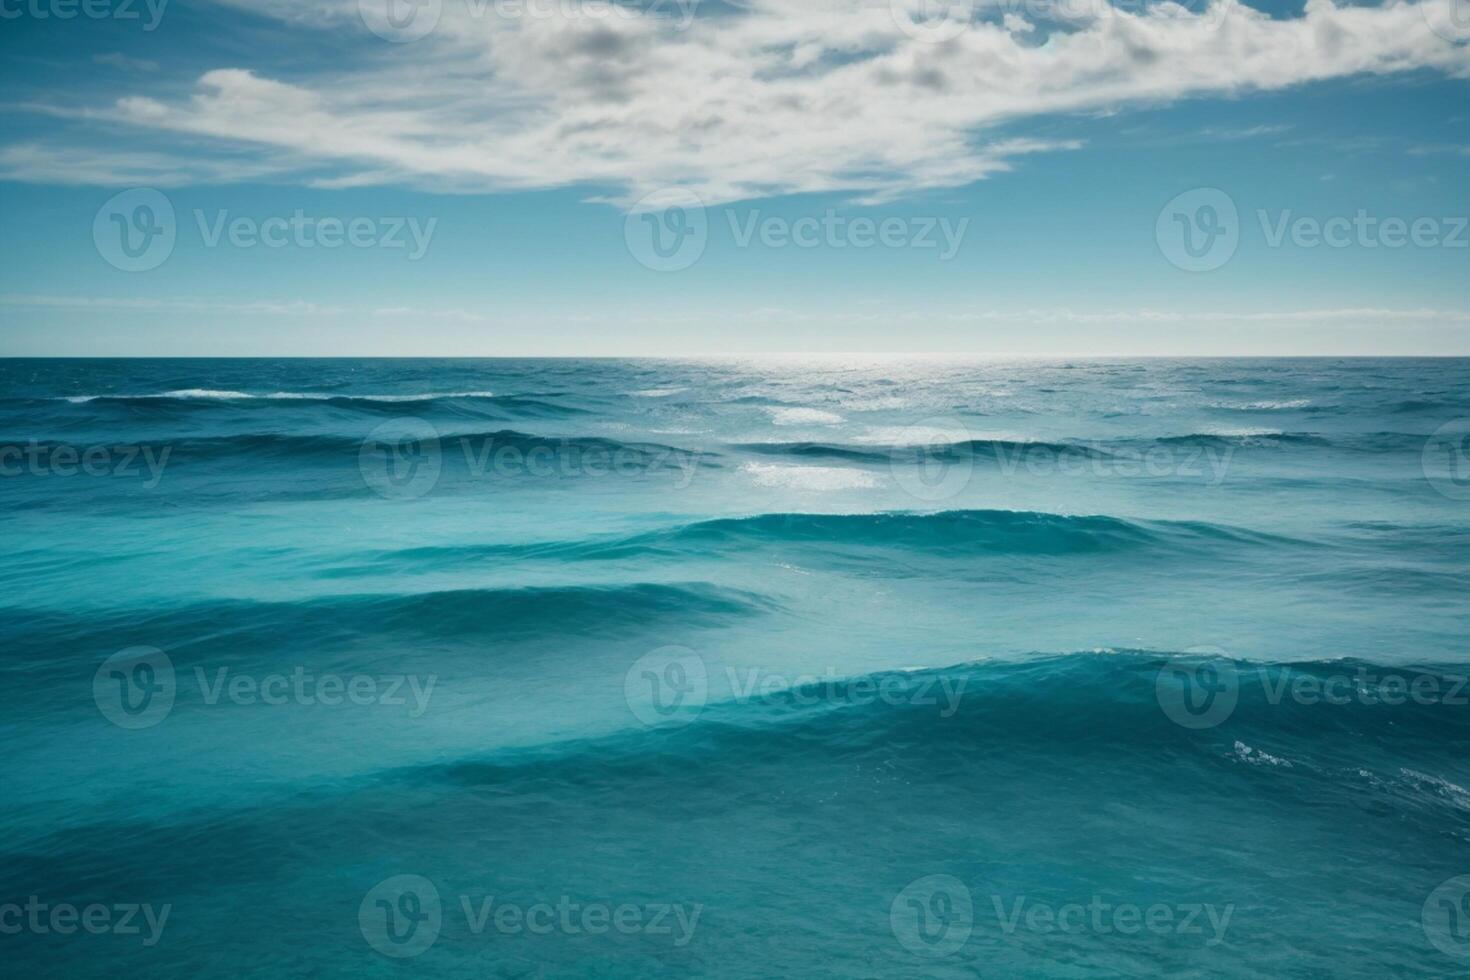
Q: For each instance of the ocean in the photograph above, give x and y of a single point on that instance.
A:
(747, 668)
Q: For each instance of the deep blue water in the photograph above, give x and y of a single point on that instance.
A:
(747, 668)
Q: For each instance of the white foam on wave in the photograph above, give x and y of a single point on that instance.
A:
(803, 416)
(656, 392)
(1264, 406)
(815, 478)
(1227, 432)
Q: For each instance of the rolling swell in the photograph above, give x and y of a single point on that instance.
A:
(481, 615)
(296, 446)
(187, 401)
(1085, 707)
(967, 532)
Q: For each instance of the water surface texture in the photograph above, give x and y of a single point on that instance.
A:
(740, 668)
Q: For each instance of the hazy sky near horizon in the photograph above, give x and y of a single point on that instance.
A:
(561, 177)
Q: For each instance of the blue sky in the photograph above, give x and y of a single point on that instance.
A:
(1033, 167)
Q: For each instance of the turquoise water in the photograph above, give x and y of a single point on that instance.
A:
(741, 668)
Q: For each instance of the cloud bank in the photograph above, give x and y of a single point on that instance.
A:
(763, 98)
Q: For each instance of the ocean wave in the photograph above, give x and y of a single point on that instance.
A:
(887, 534)
(255, 628)
(1267, 405)
(210, 399)
(803, 416)
(814, 478)
(478, 443)
(991, 713)
(1244, 437)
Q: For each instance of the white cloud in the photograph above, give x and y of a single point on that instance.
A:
(774, 97)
